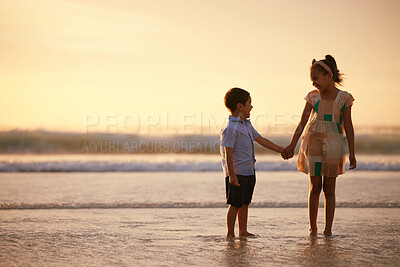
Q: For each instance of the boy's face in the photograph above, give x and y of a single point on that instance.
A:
(245, 110)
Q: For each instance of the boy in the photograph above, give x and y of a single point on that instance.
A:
(237, 149)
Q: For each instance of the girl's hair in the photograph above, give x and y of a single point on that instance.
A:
(331, 62)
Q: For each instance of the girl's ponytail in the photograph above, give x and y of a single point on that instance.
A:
(337, 76)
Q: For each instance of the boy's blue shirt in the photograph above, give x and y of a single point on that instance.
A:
(239, 135)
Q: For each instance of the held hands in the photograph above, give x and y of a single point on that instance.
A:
(287, 152)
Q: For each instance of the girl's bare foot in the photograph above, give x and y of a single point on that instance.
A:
(327, 233)
(246, 234)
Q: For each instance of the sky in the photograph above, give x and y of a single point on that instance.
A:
(164, 66)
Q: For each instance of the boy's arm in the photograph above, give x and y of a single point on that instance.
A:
(229, 163)
(268, 144)
(348, 127)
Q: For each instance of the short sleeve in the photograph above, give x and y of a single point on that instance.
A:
(228, 137)
(349, 100)
(346, 101)
(308, 98)
(312, 97)
(254, 132)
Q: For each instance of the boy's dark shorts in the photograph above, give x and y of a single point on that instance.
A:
(238, 196)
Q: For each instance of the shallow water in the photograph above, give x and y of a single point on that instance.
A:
(174, 236)
(178, 218)
(185, 189)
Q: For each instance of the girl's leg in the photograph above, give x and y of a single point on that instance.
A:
(230, 220)
(313, 202)
(329, 192)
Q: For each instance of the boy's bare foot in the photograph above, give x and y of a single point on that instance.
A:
(230, 235)
(246, 234)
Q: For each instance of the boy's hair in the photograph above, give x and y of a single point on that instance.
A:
(331, 62)
(234, 96)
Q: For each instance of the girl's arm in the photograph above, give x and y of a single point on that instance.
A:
(229, 163)
(268, 144)
(348, 127)
(289, 150)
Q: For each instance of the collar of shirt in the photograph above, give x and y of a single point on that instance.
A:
(237, 119)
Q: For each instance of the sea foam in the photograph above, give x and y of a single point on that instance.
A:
(165, 163)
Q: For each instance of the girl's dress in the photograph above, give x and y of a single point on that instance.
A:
(323, 147)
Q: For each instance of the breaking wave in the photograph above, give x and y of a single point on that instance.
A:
(164, 163)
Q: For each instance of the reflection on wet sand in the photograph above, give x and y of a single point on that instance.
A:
(237, 252)
(320, 251)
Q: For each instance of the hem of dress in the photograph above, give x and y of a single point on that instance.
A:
(303, 171)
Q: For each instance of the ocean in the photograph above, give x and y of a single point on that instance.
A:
(76, 210)
(162, 209)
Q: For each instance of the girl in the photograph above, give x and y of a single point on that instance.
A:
(323, 147)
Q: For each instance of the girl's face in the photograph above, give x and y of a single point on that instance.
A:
(321, 81)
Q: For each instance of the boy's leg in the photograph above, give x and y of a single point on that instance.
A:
(241, 196)
(248, 184)
(313, 202)
(330, 198)
(242, 218)
(230, 220)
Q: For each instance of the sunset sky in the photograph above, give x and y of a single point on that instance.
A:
(112, 65)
